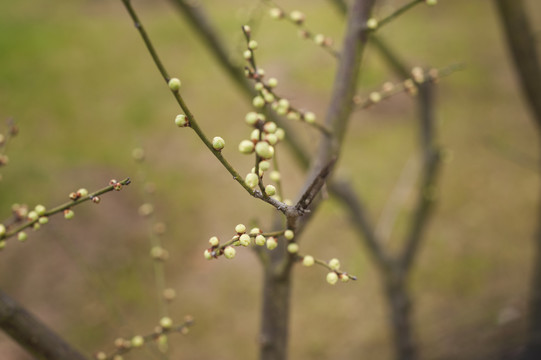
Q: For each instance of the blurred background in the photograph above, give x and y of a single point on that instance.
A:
(80, 85)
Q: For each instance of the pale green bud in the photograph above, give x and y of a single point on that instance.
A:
(264, 150)
(174, 84)
(247, 54)
(82, 192)
(245, 239)
(33, 215)
(260, 240)
(431, 2)
(166, 322)
(240, 229)
(252, 44)
(43, 220)
(319, 39)
(269, 97)
(264, 165)
(68, 214)
(246, 147)
(207, 254)
(137, 341)
(276, 13)
(280, 134)
(297, 16)
(272, 243)
(229, 252)
(293, 115)
(181, 120)
(289, 234)
(283, 103)
(2, 244)
(334, 264)
(270, 190)
(2, 230)
(251, 180)
(218, 143)
(214, 241)
(275, 176)
(252, 117)
(372, 23)
(309, 117)
(259, 86)
(344, 277)
(270, 127)
(308, 260)
(375, 97)
(332, 278)
(272, 139)
(273, 82)
(293, 248)
(258, 102)
(22, 236)
(254, 135)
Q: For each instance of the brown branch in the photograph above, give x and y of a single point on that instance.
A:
(34, 336)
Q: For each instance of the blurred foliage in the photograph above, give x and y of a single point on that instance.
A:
(80, 85)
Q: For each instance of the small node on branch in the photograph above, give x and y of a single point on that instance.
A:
(174, 84)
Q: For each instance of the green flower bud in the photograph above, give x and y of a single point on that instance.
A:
(258, 102)
(372, 23)
(229, 252)
(181, 120)
(166, 322)
(43, 220)
(260, 240)
(252, 117)
(272, 139)
(276, 13)
(283, 103)
(22, 236)
(261, 72)
(82, 192)
(245, 239)
(344, 277)
(270, 190)
(308, 260)
(270, 127)
(240, 229)
(273, 82)
(247, 54)
(431, 2)
(264, 150)
(218, 143)
(264, 165)
(137, 341)
(319, 39)
(289, 234)
(259, 86)
(252, 44)
(174, 84)
(207, 254)
(334, 264)
(293, 115)
(68, 214)
(280, 134)
(260, 171)
(272, 243)
(309, 117)
(2, 230)
(275, 176)
(293, 248)
(40, 209)
(255, 230)
(214, 241)
(2, 244)
(269, 97)
(375, 97)
(33, 215)
(332, 278)
(251, 180)
(246, 147)
(254, 135)
(297, 16)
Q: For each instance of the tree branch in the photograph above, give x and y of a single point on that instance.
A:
(34, 336)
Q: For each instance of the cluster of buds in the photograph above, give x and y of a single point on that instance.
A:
(158, 336)
(244, 238)
(418, 76)
(333, 265)
(298, 19)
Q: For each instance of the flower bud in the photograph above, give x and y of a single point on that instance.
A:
(431, 2)
(275, 176)
(272, 243)
(372, 23)
(273, 82)
(252, 45)
(260, 240)
(137, 341)
(344, 277)
(264, 150)
(270, 190)
(247, 54)
(33, 215)
(308, 260)
(181, 120)
(22, 236)
(207, 254)
(252, 117)
(240, 229)
(68, 214)
(297, 17)
(276, 13)
(229, 252)
(245, 239)
(214, 241)
(289, 234)
(218, 143)
(293, 248)
(258, 102)
(246, 147)
(319, 39)
(332, 278)
(43, 220)
(264, 165)
(82, 192)
(166, 322)
(375, 97)
(334, 264)
(270, 127)
(309, 117)
(2, 230)
(251, 180)
(174, 84)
